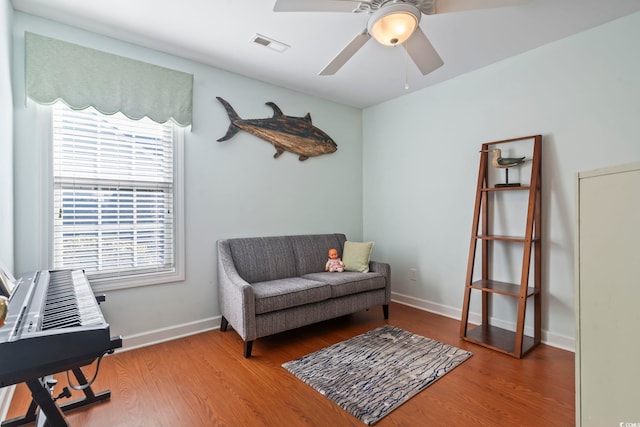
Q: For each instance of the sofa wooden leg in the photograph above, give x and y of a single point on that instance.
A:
(224, 323)
(248, 345)
(385, 311)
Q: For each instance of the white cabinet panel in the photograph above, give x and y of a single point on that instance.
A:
(608, 297)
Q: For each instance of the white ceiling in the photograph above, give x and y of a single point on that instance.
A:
(219, 33)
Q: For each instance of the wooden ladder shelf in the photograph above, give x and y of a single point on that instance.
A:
(517, 343)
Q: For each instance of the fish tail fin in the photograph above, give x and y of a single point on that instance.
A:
(230, 133)
(233, 116)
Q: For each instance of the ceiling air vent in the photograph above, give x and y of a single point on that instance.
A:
(270, 43)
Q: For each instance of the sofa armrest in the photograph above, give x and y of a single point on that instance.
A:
(384, 269)
(237, 299)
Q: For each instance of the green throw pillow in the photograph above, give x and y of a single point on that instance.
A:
(356, 256)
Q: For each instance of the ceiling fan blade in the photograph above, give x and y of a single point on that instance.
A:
(422, 52)
(447, 6)
(315, 5)
(346, 54)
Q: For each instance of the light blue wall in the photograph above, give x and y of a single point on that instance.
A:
(6, 137)
(421, 161)
(416, 170)
(233, 188)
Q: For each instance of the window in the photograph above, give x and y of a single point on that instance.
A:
(116, 197)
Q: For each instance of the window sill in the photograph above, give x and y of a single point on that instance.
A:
(135, 281)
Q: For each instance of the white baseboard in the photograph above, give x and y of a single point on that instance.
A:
(6, 394)
(549, 338)
(178, 331)
(167, 334)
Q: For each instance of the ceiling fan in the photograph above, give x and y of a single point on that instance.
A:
(391, 23)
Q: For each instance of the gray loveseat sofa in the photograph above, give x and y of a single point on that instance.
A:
(273, 284)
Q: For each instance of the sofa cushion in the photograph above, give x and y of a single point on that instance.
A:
(347, 283)
(259, 259)
(311, 250)
(279, 294)
(356, 256)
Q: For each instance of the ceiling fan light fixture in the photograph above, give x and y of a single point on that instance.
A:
(393, 24)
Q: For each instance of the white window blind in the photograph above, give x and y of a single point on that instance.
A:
(113, 194)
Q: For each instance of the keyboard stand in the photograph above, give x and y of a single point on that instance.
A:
(50, 412)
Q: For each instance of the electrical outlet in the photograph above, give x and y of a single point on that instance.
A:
(413, 274)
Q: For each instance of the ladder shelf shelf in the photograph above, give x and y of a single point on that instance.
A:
(521, 188)
(499, 339)
(504, 288)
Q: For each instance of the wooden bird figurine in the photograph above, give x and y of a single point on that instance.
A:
(503, 162)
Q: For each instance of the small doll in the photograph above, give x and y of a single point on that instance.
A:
(334, 263)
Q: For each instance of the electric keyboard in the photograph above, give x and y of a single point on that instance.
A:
(53, 324)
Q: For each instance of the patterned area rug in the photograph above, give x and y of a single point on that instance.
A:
(372, 374)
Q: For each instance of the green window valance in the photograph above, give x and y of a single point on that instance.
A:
(83, 77)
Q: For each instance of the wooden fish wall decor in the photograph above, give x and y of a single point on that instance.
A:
(294, 134)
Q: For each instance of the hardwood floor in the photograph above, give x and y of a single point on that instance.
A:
(203, 380)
